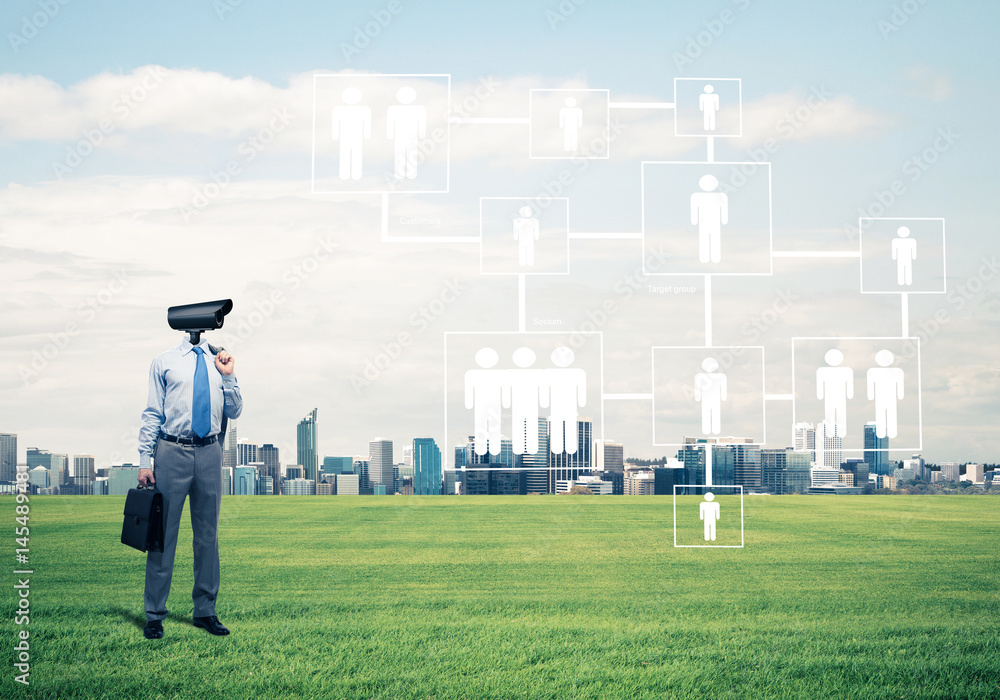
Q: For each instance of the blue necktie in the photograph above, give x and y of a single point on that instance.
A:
(201, 405)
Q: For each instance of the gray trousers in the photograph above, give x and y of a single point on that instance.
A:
(182, 470)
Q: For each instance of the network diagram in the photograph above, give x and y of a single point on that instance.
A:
(390, 136)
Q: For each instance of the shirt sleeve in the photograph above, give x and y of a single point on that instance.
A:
(152, 415)
(233, 405)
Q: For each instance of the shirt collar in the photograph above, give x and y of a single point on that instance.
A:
(185, 347)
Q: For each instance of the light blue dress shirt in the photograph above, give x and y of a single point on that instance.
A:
(171, 393)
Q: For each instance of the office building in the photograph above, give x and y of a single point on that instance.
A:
(536, 466)
(305, 440)
(245, 480)
(804, 438)
(595, 484)
(59, 469)
(361, 469)
(876, 451)
(904, 474)
(916, 463)
(786, 471)
(38, 478)
(950, 471)
(640, 483)
(746, 466)
(829, 447)
(327, 486)
(823, 475)
(426, 458)
(609, 456)
(858, 468)
(569, 467)
(665, 477)
(121, 479)
(974, 473)
(299, 487)
(230, 453)
(83, 474)
(338, 465)
(347, 484)
(380, 463)
(8, 457)
(246, 452)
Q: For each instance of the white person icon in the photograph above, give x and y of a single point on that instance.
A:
(567, 393)
(526, 231)
(483, 393)
(835, 385)
(523, 392)
(406, 124)
(709, 511)
(710, 388)
(885, 387)
(352, 124)
(904, 252)
(709, 212)
(708, 104)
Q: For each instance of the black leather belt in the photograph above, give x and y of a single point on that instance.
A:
(196, 441)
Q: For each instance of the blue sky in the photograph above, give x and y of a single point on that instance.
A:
(893, 93)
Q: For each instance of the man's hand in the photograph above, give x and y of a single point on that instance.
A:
(146, 477)
(225, 363)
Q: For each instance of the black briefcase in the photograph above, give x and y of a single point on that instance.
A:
(143, 526)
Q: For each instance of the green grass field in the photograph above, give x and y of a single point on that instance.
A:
(524, 597)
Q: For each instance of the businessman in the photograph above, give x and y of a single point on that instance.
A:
(189, 389)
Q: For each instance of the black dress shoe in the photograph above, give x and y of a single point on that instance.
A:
(153, 629)
(211, 624)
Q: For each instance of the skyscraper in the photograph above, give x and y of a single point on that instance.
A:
(828, 452)
(83, 473)
(246, 452)
(565, 466)
(747, 465)
(306, 444)
(875, 451)
(8, 457)
(230, 456)
(805, 438)
(536, 466)
(380, 462)
(338, 465)
(426, 467)
(269, 465)
(609, 456)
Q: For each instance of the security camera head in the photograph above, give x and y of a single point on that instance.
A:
(197, 318)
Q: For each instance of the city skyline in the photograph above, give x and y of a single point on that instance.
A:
(150, 151)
